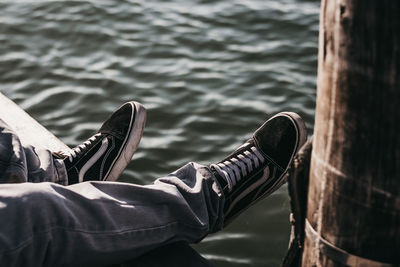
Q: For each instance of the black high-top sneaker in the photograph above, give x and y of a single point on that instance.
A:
(258, 167)
(106, 154)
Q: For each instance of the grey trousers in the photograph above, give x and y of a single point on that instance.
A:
(45, 223)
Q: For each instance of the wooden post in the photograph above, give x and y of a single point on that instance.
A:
(353, 213)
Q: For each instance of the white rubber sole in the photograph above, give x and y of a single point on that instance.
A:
(130, 143)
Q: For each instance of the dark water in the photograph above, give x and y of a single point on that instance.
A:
(209, 73)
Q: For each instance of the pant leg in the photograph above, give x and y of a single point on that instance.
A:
(23, 163)
(99, 223)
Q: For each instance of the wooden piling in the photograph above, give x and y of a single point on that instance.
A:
(353, 213)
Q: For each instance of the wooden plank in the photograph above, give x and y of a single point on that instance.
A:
(28, 129)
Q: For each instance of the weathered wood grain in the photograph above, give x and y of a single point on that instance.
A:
(354, 199)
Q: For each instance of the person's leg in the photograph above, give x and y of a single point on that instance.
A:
(95, 222)
(102, 157)
(98, 223)
(19, 163)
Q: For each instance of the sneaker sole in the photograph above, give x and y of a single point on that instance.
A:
(130, 143)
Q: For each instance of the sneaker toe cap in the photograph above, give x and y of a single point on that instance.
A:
(280, 137)
(120, 121)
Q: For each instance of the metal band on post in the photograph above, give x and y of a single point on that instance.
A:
(338, 254)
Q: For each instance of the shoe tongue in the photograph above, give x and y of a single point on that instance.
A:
(246, 145)
(58, 155)
(63, 157)
(221, 180)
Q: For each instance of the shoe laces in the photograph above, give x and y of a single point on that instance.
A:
(74, 152)
(239, 166)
